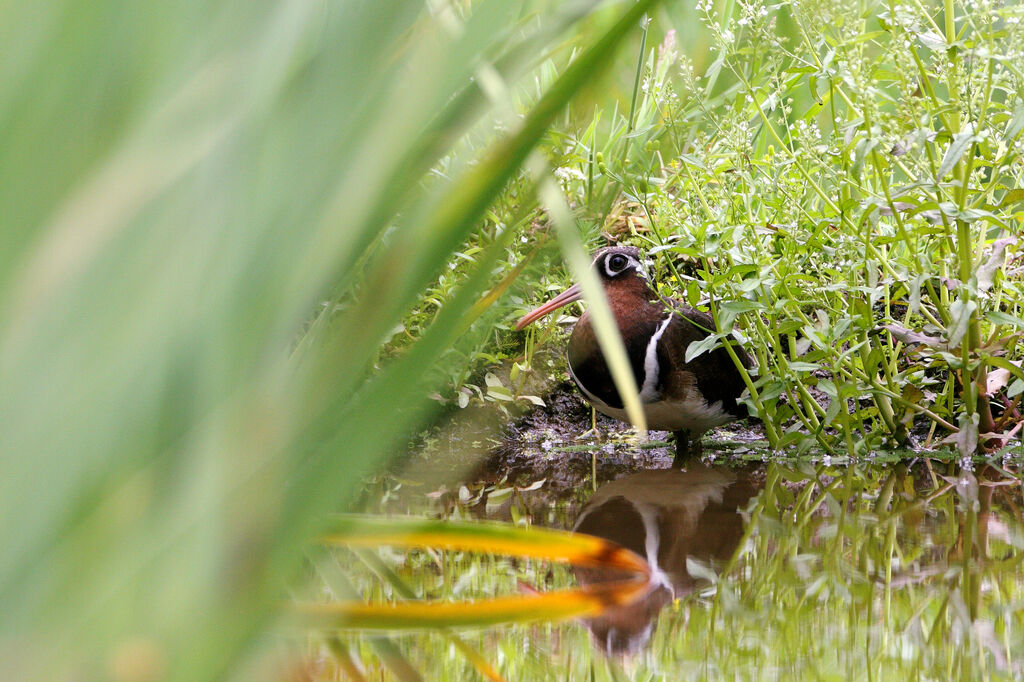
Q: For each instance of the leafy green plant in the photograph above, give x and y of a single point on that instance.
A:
(841, 191)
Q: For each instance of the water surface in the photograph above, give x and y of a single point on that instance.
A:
(795, 569)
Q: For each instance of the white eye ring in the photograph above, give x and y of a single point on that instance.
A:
(608, 268)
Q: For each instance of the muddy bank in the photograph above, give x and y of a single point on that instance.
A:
(560, 443)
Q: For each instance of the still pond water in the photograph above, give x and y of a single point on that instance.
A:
(902, 567)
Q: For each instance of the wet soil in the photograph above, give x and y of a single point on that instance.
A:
(563, 446)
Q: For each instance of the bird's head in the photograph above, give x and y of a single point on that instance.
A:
(614, 265)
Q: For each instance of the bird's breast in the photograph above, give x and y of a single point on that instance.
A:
(669, 389)
(590, 371)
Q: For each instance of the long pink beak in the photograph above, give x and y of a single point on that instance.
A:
(573, 293)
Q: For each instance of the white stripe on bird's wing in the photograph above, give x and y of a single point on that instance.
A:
(649, 391)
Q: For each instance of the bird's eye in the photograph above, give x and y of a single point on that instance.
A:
(617, 262)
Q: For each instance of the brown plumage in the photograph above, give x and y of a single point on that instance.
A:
(687, 398)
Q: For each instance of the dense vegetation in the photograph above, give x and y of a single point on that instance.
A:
(244, 242)
(843, 192)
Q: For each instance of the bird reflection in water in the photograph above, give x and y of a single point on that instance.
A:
(665, 516)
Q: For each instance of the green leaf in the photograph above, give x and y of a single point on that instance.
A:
(909, 336)
(742, 305)
(999, 317)
(1016, 123)
(828, 387)
(804, 366)
(960, 144)
(960, 313)
(1012, 196)
(967, 438)
(1015, 388)
(175, 304)
(499, 393)
(698, 348)
(1009, 366)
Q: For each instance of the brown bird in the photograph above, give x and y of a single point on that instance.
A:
(687, 398)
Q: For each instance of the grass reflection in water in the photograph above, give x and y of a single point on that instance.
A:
(764, 571)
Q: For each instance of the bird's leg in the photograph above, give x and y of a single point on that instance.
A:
(688, 446)
(592, 431)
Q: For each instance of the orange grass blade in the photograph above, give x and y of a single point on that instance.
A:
(577, 549)
(412, 615)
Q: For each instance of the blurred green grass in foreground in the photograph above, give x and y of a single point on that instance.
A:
(182, 186)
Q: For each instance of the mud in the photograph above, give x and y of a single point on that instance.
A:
(563, 444)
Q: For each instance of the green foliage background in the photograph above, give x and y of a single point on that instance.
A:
(841, 186)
